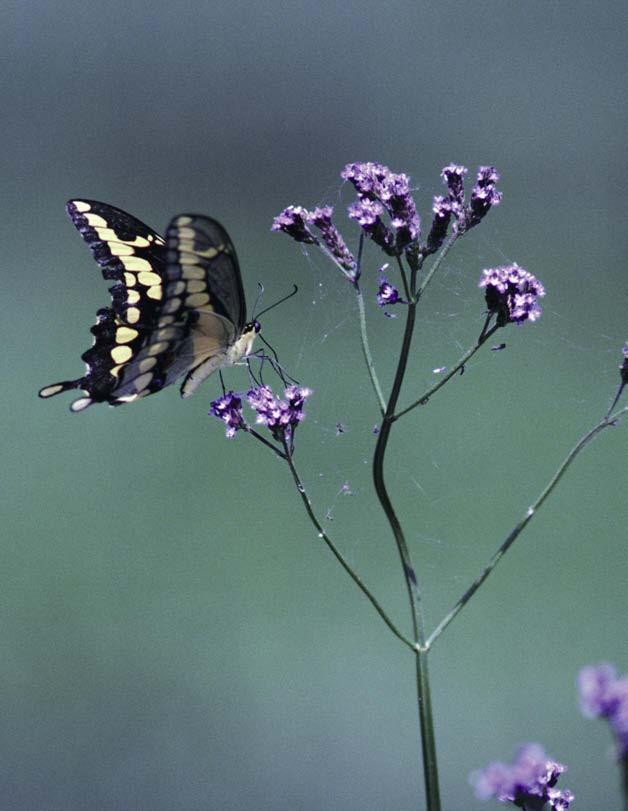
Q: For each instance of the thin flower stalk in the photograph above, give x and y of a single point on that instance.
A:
(426, 721)
(606, 422)
(460, 364)
(338, 554)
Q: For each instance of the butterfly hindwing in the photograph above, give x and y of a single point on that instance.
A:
(176, 305)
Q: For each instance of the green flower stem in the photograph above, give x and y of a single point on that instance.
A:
(607, 422)
(368, 358)
(338, 554)
(430, 765)
(459, 365)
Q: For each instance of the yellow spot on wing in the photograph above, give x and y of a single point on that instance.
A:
(126, 334)
(133, 296)
(135, 263)
(129, 279)
(81, 206)
(121, 354)
(155, 292)
(197, 300)
(146, 364)
(148, 279)
(156, 348)
(196, 286)
(50, 390)
(96, 220)
(132, 315)
(119, 249)
(184, 220)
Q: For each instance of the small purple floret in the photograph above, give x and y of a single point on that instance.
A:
(228, 408)
(293, 221)
(387, 293)
(529, 782)
(280, 416)
(511, 292)
(604, 695)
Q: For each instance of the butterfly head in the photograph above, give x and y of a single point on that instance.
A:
(253, 327)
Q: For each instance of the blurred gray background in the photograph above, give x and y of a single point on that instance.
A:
(173, 634)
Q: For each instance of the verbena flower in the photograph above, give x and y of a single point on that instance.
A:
(604, 695)
(228, 408)
(529, 782)
(280, 416)
(293, 221)
(512, 293)
(442, 209)
(387, 293)
(484, 195)
(321, 218)
(380, 190)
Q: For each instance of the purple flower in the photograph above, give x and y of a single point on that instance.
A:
(529, 782)
(604, 695)
(380, 190)
(511, 292)
(442, 208)
(484, 195)
(453, 177)
(281, 417)
(228, 408)
(321, 218)
(293, 221)
(387, 293)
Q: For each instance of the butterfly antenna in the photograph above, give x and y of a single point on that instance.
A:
(272, 306)
(260, 295)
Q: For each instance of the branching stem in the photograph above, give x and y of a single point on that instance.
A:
(606, 422)
(338, 554)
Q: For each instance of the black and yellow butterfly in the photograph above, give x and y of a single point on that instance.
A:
(177, 309)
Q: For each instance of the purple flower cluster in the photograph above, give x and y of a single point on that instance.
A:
(511, 292)
(281, 417)
(295, 221)
(527, 783)
(380, 192)
(228, 408)
(484, 195)
(604, 695)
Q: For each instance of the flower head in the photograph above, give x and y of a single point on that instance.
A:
(442, 208)
(484, 195)
(511, 292)
(228, 408)
(379, 190)
(293, 221)
(529, 782)
(280, 416)
(604, 695)
(321, 218)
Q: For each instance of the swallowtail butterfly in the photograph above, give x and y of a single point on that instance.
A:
(177, 308)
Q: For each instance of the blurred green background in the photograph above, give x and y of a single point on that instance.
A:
(174, 635)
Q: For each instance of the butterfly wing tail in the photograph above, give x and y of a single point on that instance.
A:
(67, 385)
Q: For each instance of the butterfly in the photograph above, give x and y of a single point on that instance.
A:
(177, 306)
